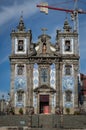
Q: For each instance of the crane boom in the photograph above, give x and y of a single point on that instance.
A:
(62, 9)
(74, 12)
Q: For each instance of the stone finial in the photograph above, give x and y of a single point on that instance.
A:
(21, 26)
(44, 30)
(66, 27)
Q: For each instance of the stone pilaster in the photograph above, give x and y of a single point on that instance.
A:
(57, 85)
(27, 90)
(30, 85)
(60, 85)
(13, 45)
(12, 84)
(76, 86)
(31, 80)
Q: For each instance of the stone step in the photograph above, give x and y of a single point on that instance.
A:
(12, 120)
(46, 122)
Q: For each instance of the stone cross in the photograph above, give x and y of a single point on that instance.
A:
(44, 30)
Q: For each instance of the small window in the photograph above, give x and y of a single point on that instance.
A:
(20, 96)
(44, 74)
(20, 69)
(68, 96)
(68, 69)
(67, 45)
(20, 45)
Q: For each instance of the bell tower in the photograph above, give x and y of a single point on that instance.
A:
(68, 43)
(21, 41)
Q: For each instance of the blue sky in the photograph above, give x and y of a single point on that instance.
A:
(10, 12)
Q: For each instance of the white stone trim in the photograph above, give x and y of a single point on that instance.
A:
(16, 46)
(63, 46)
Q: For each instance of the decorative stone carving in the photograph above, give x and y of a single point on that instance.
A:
(32, 50)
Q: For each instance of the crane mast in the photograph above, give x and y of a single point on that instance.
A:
(74, 12)
(74, 16)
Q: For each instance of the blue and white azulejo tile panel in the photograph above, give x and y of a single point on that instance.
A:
(67, 83)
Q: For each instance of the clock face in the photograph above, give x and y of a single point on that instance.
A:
(68, 83)
(20, 82)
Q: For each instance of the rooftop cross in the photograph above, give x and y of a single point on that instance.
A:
(44, 30)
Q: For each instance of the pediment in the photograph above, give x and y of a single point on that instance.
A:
(44, 88)
(44, 47)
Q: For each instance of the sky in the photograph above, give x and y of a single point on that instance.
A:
(10, 13)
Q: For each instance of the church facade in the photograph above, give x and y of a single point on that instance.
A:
(44, 75)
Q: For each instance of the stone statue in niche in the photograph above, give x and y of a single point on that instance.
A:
(44, 48)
